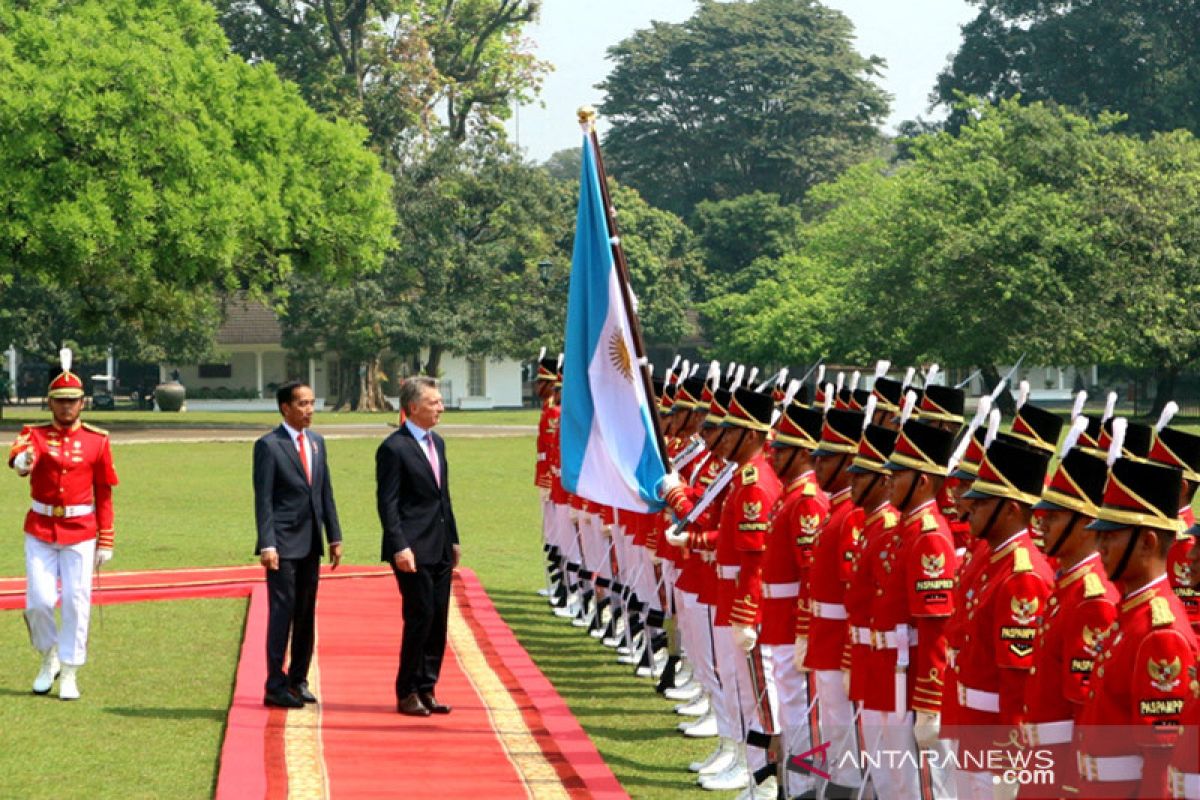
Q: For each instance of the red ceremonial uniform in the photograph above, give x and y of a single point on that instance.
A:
(930, 562)
(969, 572)
(1142, 681)
(805, 525)
(1179, 571)
(71, 483)
(878, 530)
(702, 534)
(741, 541)
(999, 640)
(832, 558)
(1079, 615)
(799, 510)
(547, 441)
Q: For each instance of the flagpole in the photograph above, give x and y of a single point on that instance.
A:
(587, 119)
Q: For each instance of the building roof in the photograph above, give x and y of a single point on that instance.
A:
(248, 321)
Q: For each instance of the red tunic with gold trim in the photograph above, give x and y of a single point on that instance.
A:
(801, 507)
(999, 644)
(930, 563)
(72, 471)
(1179, 570)
(805, 525)
(742, 538)
(968, 588)
(832, 557)
(547, 443)
(702, 533)
(878, 527)
(1185, 761)
(1079, 615)
(1141, 683)
(888, 609)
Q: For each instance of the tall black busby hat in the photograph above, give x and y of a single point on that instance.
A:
(799, 427)
(718, 407)
(873, 449)
(840, 433)
(750, 409)
(1140, 494)
(1011, 470)
(1174, 448)
(942, 403)
(922, 447)
(1077, 485)
(887, 394)
(1037, 427)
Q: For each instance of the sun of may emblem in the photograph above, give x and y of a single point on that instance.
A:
(619, 355)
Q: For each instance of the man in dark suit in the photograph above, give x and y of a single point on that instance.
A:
(420, 540)
(293, 504)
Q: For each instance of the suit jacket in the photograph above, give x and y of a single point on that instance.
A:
(414, 511)
(291, 513)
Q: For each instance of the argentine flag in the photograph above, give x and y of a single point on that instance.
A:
(610, 454)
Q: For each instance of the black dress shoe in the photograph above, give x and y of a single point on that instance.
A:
(301, 691)
(282, 700)
(411, 705)
(430, 702)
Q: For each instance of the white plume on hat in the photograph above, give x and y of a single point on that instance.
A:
(1168, 412)
(1078, 426)
(64, 358)
(1080, 401)
(1120, 424)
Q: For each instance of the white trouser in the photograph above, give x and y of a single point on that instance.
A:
(837, 726)
(975, 785)
(567, 538)
(794, 716)
(742, 706)
(727, 726)
(646, 585)
(46, 565)
(595, 545)
(891, 753)
(548, 523)
(697, 641)
(941, 771)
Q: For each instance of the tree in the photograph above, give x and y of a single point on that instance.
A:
(768, 95)
(735, 234)
(146, 173)
(1136, 57)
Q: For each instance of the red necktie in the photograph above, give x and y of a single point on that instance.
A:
(433, 459)
(304, 457)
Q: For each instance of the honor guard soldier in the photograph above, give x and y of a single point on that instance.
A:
(1039, 429)
(799, 513)
(1079, 614)
(826, 653)
(547, 454)
(68, 529)
(1142, 684)
(908, 626)
(1000, 633)
(1174, 448)
(1184, 772)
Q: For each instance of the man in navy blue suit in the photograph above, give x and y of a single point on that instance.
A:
(420, 540)
(293, 505)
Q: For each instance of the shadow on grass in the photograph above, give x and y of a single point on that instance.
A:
(169, 713)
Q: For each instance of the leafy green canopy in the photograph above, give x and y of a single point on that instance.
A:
(145, 171)
(767, 96)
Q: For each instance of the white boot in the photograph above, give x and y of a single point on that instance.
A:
(686, 692)
(569, 608)
(717, 760)
(702, 728)
(696, 708)
(67, 688)
(735, 776)
(767, 790)
(48, 672)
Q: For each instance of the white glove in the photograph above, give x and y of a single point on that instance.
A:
(926, 729)
(23, 463)
(670, 482)
(799, 654)
(676, 536)
(544, 493)
(103, 556)
(745, 637)
(607, 531)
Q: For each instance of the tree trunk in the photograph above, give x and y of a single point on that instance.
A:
(1164, 389)
(434, 363)
(991, 378)
(347, 395)
(370, 395)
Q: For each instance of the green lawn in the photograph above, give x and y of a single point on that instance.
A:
(191, 505)
(14, 416)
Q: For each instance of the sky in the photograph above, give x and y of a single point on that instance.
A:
(914, 37)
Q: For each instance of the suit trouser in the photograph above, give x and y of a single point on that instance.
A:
(292, 612)
(745, 710)
(794, 713)
(426, 597)
(45, 565)
(837, 726)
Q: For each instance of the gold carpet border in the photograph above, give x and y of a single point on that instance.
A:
(307, 778)
(538, 774)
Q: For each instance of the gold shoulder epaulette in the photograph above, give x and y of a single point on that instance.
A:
(928, 523)
(1160, 613)
(890, 519)
(749, 475)
(809, 490)
(1092, 586)
(94, 429)
(1021, 561)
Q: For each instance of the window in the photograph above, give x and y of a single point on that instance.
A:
(476, 377)
(216, 371)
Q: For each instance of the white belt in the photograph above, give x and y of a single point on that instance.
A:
(1107, 769)
(828, 610)
(891, 640)
(62, 511)
(780, 591)
(978, 700)
(860, 636)
(728, 573)
(1184, 785)
(1058, 732)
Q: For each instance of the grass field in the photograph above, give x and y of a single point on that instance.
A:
(156, 691)
(15, 416)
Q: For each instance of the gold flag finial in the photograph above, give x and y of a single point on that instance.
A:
(587, 116)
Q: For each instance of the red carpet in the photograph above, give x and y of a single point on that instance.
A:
(510, 734)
